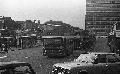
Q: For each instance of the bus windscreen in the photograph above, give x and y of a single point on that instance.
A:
(52, 41)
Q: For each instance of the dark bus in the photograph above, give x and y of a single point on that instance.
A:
(25, 42)
(57, 45)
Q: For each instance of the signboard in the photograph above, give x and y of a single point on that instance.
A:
(118, 33)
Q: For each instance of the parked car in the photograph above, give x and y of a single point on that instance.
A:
(15, 67)
(90, 63)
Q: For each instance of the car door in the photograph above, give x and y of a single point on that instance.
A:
(113, 64)
(100, 66)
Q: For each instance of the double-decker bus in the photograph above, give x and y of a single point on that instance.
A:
(57, 45)
(27, 41)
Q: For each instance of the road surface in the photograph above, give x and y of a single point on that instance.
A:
(101, 45)
(42, 64)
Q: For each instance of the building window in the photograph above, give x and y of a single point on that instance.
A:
(97, 23)
(118, 6)
(93, 2)
(103, 18)
(112, 2)
(91, 26)
(89, 19)
(96, 26)
(89, 23)
(102, 26)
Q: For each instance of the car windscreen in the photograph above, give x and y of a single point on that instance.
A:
(88, 58)
(52, 41)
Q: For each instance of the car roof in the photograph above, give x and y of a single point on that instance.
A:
(61, 36)
(100, 53)
(25, 36)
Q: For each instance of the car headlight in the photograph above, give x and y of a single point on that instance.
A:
(67, 71)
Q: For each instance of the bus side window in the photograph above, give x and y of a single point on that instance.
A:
(71, 41)
(102, 59)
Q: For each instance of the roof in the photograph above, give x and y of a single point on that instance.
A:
(6, 37)
(54, 22)
(11, 63)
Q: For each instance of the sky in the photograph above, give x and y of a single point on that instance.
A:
(69, 11)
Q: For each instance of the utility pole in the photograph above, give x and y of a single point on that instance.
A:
(3, 24)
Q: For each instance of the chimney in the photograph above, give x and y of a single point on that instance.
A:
(38, 21)
(34, 21)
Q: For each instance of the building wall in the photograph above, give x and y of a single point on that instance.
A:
(1, 22)
(101, 15)
(5, 22)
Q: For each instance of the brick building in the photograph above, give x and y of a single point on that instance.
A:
(101, 15)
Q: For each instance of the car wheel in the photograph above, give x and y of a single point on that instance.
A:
(83, 72)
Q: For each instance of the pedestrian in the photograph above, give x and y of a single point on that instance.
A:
(112, 46)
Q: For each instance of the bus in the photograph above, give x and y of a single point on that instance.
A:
(57, 45)
(28, 41)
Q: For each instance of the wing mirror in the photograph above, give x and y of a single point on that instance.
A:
(95, 62)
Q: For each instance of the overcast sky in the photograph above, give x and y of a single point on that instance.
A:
(68, 11)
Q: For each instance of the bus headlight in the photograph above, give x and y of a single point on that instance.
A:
(80, 43)
(43, 47)
(45, 51)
